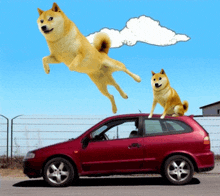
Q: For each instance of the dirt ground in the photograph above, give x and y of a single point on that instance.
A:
(14, 173)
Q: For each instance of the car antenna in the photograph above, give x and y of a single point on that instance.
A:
(139, 111)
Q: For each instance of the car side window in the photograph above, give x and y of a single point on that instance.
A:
(118, 129)
(177, 126)
(153, 127)
(98, 131)
(164, 127)
(124, 130)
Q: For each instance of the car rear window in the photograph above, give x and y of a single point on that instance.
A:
(177, 126)
(165, 127)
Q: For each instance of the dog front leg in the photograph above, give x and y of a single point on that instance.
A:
(152, 109)
(75, 63)
(46, 60)
(165, 110)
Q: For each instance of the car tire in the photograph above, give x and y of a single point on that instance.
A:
(59, 172)
(178, 170)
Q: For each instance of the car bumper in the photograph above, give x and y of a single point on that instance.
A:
(205, 161)
(30, 171)
(206, 169)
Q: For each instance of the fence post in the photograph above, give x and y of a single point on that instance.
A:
(12, 135)
(7, 134)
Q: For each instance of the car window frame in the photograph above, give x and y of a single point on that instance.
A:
(127, 119)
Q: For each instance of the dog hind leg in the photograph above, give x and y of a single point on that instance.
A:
(102, 86)
(118, 66)
(114, 83)
(178, 110)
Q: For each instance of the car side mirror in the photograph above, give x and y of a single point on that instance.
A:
(85, 142)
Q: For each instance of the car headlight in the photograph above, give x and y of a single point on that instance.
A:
(29, 155)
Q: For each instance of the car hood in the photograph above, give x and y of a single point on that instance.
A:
(57, 146)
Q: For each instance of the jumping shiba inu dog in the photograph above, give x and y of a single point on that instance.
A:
(67, 45)
(166, 96)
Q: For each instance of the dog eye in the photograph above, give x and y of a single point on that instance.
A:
(154, 79)
(160, 78)
(41, 21)
(51, 18)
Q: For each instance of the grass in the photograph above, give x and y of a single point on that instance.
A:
(15, 163)
(14, 167)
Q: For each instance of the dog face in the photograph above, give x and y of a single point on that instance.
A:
(51, 23)
(159, 81)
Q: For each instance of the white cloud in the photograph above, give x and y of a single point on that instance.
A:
(143, 29)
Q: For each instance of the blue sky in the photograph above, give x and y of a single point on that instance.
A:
(192, 66)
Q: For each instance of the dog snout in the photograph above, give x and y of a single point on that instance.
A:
(158, 85)
(44, 28)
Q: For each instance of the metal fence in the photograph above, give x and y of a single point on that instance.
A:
(212, 125)
(4, 136)
(31, 132)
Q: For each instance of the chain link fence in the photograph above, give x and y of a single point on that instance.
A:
(212, 125)
(4, 134)
(32, 132)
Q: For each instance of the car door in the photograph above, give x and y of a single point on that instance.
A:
(162, 137)
(122, 153)
(155, 142)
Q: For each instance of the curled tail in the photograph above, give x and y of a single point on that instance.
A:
(102, 42)
(185, 106)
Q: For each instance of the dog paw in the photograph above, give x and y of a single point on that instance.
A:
(47, 69)
(114, 109)
(125, 96)
(162, 117)
(137, 78)
(150, 116)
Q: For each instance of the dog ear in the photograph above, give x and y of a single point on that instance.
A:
(162, 71)
(55, 7)
(40, 11)
(152, 73)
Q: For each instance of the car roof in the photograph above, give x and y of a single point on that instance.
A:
(146, 115)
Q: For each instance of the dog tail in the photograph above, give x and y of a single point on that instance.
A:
(102, 42)
(185, 106)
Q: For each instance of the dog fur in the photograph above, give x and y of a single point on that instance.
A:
(67, 45)
(166, 96)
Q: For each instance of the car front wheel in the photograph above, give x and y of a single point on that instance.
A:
(59, 172)
(178, 170)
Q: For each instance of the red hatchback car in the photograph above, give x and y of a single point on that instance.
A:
(174, 147)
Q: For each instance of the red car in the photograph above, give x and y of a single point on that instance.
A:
(174, 147)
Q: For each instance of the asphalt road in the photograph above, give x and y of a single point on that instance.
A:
(202, 184)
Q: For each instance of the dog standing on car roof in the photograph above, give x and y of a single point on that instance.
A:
(166, 96)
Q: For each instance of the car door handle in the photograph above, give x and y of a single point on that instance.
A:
(134, 145)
